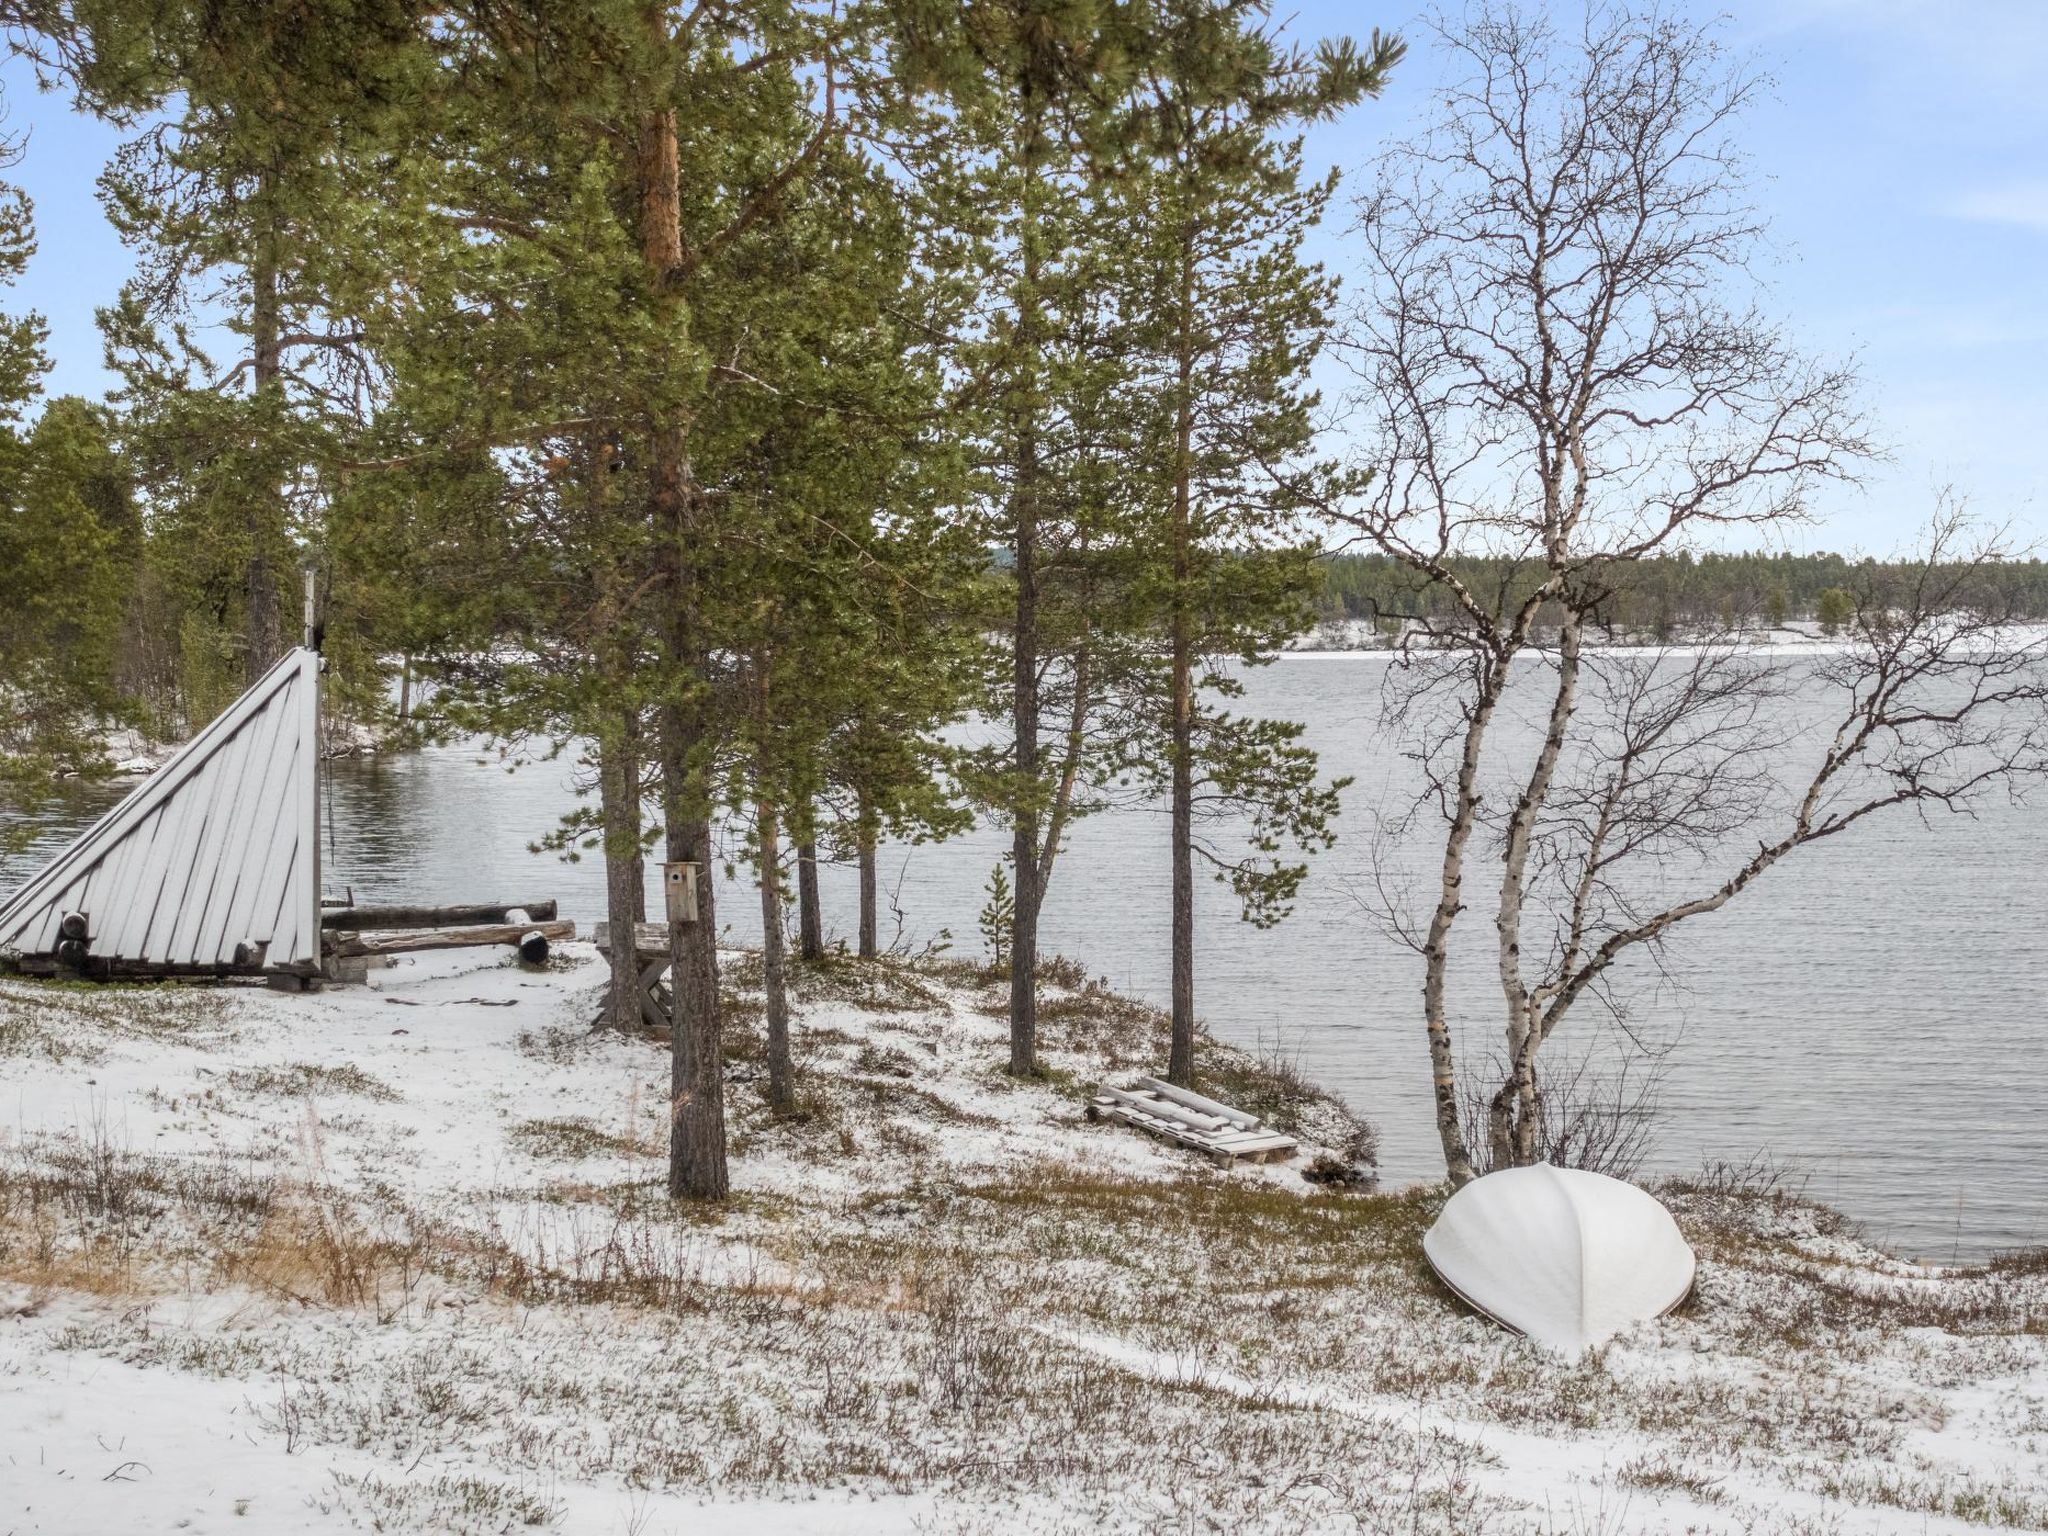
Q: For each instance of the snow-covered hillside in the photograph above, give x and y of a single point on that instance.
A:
(397, 1258)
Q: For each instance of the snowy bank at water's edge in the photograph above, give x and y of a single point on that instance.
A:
(398, 1257)
(1799, 637)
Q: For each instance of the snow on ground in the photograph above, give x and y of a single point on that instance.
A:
(397, 1258)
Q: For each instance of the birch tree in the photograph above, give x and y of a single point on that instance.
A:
(1566, 368)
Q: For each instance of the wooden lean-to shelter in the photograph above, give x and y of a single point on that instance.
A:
(211, 867)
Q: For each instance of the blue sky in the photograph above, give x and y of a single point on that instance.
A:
(1902, 161)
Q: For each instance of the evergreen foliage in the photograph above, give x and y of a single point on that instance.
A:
(1685, 588)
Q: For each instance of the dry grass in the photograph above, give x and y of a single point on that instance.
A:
(84, 1212)
(61, 1021)
(577, 1139)
(318, 1250)
(302, 1079)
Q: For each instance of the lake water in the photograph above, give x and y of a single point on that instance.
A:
(1871, 1013)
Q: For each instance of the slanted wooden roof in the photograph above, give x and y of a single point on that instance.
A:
(217, 851)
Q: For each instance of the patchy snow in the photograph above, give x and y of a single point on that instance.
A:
(397, 1257)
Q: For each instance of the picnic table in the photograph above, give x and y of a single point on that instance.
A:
(650, 951)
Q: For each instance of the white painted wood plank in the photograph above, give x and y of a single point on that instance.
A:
(162, 877)
(164, 824)
(245, 762)
(283, 850)
(179, 875)
(281, 867)
(198, 865)
(1272, 1141)
(44, 937)
(274, 815)
(257, 809)
(304, 891)
(136, 847)
(136, 895)
(193, 943)
(106, 904)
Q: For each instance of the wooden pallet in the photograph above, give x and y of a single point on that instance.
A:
(1224, 1135)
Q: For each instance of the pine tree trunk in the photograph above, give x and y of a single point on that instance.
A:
(619, 784)
(781, 1073)
(636, 745)
(1024, 843)
(1180, 1066)
(1070, 774)
(697, 1161)
(866, 832)
(810, 915)
(1024, 710)
(264, 513)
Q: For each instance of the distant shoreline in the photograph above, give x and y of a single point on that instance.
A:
(1359, 637)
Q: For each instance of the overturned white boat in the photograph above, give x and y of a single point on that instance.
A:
(1568, 1257)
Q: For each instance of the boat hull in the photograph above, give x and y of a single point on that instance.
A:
(1567, 1257)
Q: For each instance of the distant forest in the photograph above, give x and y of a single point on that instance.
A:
(1670, 591)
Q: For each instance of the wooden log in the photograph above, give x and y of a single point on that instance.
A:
(363, 919)
(1166, 1109)
(1153, 1125)
(1198, 1103)
(449, 938)
(1158, 1118)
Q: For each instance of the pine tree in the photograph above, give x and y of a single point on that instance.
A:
(242, 200)
(822, 478)
(504, 496)
(1016, 168)
(68, 537)
(584, 274)
(1227, 317)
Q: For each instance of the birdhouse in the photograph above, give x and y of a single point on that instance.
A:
(679, 884)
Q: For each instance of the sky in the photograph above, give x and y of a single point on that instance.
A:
(1901, 159)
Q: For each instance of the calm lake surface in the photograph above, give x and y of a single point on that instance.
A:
(1870, 1014)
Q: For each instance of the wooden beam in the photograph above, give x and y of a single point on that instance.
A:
(650, 940)
(362, 919)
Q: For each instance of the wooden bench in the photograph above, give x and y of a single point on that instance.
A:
(1224, 1135)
